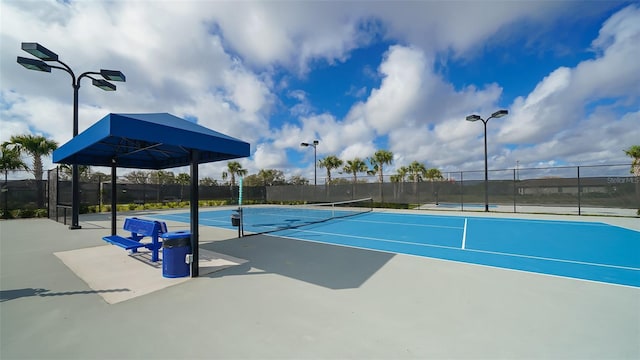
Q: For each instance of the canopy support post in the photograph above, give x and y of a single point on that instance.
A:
(113, 197)
(193, 204)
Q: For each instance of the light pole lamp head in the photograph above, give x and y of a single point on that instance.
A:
(39, 51)
(34, 64)
(499, 113)
(103, 84)
(473, 118)
(113, 75)
(304, 144)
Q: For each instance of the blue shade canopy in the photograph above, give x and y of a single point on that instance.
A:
(148, 141)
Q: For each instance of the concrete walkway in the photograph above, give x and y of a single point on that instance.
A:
(295, 300)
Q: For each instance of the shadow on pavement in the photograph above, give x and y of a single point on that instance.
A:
(6, 295)
(331, 266)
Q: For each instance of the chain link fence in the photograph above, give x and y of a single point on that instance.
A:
(583, 190)
(99, 194)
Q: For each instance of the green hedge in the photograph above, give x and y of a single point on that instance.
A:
(23, 213)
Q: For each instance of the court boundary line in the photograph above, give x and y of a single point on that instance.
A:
(466, 263)
(467, 249)
(506, 254)
(463, 248)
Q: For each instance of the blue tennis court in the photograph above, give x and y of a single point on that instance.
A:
(591, 251)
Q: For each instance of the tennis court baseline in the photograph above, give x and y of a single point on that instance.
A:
(591, 251)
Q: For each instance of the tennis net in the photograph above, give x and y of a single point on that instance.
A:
(261, 219)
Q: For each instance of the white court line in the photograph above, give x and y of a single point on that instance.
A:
(457, 248)
(215, 221)
(545, 221)
(465, 262)
(403, 223)
(464, 234)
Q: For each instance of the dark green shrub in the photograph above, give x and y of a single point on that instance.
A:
(7, 215)
(41, 213)
(24, 213)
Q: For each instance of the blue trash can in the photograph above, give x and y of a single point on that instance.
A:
(175, 247)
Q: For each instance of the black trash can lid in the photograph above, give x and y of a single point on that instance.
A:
(176, 243)
(176, 234)
(176, 239)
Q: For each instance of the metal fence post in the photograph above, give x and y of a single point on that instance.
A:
(579, 192)
(461, 191)
(515, 184)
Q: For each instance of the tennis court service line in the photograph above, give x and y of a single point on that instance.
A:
(407, 224)
(576, 262)
(550, 221)
(360, 238)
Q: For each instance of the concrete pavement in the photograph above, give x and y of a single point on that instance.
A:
(295, 299)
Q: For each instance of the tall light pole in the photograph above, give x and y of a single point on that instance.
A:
(495, 115)
(315, 165)
(43, 54)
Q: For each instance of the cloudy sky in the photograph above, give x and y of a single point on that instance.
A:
(356, 75)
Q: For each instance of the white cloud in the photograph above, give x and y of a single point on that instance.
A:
(250, 95)
(289, 34)
(388, 106)
(540, 114)
(269, 157)
(217, 61)
(335, 135)
(561, 100)
(457, 26)
(362, 150)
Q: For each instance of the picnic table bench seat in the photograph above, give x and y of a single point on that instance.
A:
(139, 229)
(125, 243)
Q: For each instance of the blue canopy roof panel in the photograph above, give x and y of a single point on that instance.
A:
(148, 141)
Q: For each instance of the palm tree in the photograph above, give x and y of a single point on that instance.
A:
(634, 153)
(433, 174)
(9, 161)
(399, 177)
(330, 162)
(401, 174)
(36, 146)
(417, 171)
(234, 168)
(379, 159)
(354, 167)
